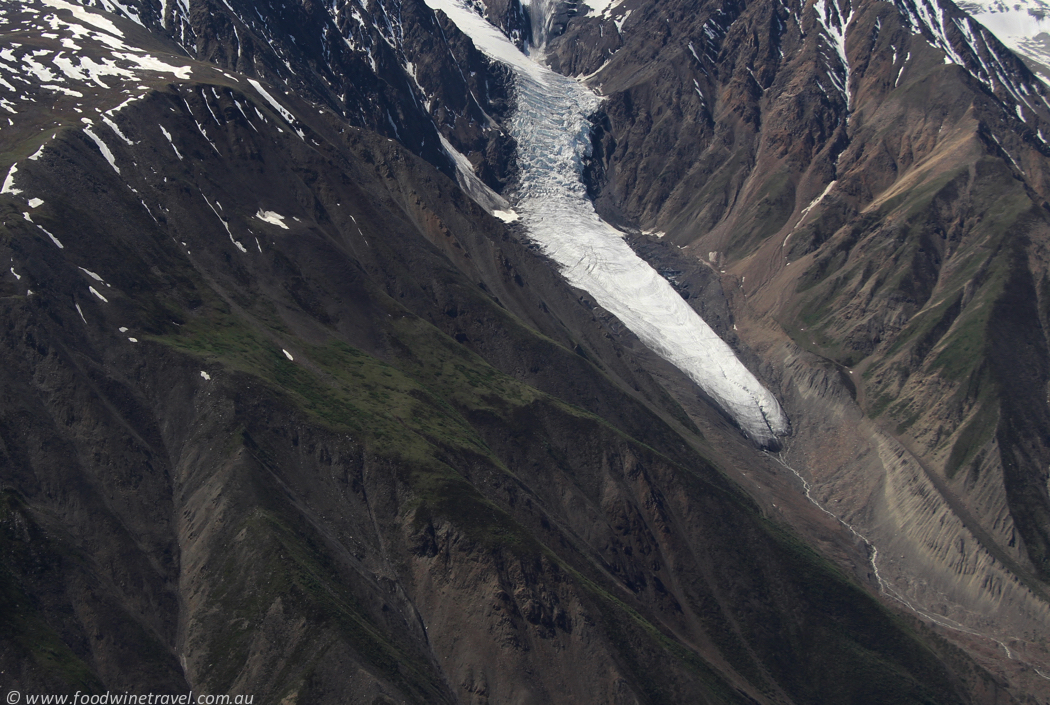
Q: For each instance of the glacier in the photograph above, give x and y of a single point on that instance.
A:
(553, 135)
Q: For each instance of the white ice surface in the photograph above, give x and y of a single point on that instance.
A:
(1014, 22)
(487, 38)
(552, 133)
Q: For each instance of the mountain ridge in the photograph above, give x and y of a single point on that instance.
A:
(283, 399)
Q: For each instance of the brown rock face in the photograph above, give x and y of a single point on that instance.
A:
(871, 179)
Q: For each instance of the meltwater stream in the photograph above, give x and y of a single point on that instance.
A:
(551, 128)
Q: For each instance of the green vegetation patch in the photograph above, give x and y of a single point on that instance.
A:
(926, 327)
(442, 492)
(336, 384)
(773, 207)
(975, 434)
(963, 348)
(412, 416)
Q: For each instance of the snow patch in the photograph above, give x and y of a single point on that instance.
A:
(474, 187)
(102, 147)
(113, 126)
(35, 202)
(146, 62)
(88, 70)
(272, 218)
(226, 225)
(168, 135)
(9, 182)
(281, 110)
(600, 7)
(815, 201)
(61, 89)
(287, 354)
(53, 238)
(835, 26)
(82, 14)
(92, 275)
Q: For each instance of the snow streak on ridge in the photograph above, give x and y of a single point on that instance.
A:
(835, 23)
(552, 132)
(969, 44)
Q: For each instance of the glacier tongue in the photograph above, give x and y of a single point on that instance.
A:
(551, 128)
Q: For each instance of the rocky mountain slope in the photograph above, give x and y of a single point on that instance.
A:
(286, 412)
(870, 180)
(1022, 26)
